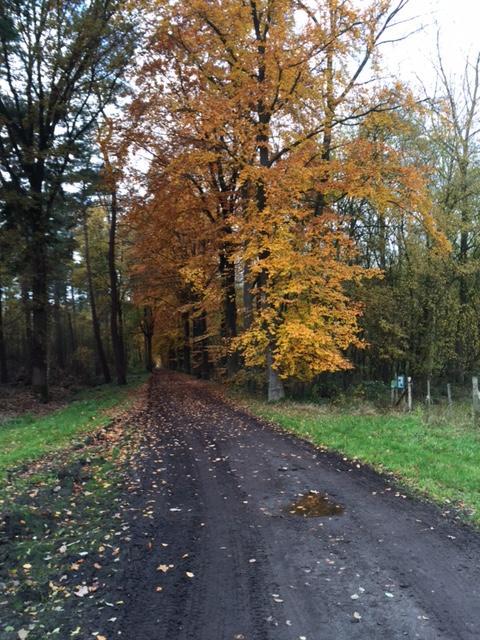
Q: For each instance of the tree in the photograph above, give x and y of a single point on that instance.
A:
(110, 173)
(453, 132)
(93, 304)
(256, 110)
(60, 64)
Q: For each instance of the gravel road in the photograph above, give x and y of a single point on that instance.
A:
(216, 554)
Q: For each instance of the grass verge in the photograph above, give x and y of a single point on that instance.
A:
(439, 459)
(28, 438)
(60, 503)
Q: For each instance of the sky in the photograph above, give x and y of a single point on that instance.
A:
(457, 21)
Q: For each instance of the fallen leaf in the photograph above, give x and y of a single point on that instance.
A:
(163, 567)
(81, 591)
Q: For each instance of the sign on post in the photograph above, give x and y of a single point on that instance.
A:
(398, 386)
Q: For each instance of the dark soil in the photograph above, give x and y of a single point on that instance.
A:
(214, 554)
(18, 400)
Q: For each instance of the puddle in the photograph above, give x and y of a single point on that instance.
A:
(314, 505)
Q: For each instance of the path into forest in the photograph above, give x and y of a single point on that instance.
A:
(216, 554)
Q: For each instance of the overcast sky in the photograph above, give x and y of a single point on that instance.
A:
(458, 22)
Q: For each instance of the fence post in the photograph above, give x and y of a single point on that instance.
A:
(428, 399)
(449, 394)
(475, 398)
(409, 393)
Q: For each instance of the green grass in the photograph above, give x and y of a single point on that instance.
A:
(439, 458)
(54, 527)
(28, 438)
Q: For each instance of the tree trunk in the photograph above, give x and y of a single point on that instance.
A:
(40, 317)
(38, 247)
(3, 350)
(148, 325)
(93, 307)
(229, 316)
(276, 389)
(117, 342)
(187, 351)
(247, 298)
(275, 384)
(72, 323)
(59, 341)
(201, 362)
(148, 352)
(27, 346)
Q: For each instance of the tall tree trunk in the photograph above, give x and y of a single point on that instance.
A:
(3, 350)
(147, 340)
(229, 315)
(247, 297)
(274, 382)
(186, 351)
(276, 390)
(117, 341)
(72, 323)
(37, 232)
(93, 306)
(27, 342)
(201, 361)
(39, 275)
(57, 317)
(148, 326)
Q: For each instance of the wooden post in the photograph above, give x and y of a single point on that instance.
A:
(409, 393)
(428, 399)
(475, 398)
(449, 394)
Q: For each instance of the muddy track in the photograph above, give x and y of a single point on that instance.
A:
(214, 555)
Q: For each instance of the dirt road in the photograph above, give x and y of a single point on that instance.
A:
(215, 553)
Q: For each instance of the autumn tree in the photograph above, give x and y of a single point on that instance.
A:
(112, 157)
(259, 107)
(174, 258)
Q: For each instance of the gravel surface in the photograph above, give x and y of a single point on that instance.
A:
(215, 553)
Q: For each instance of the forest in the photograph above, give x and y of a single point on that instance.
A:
(239, 320)
(235, 189)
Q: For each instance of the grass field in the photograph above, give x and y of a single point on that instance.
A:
(439, 458)
(28, 438)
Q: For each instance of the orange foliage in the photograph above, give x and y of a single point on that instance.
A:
(259, 123)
